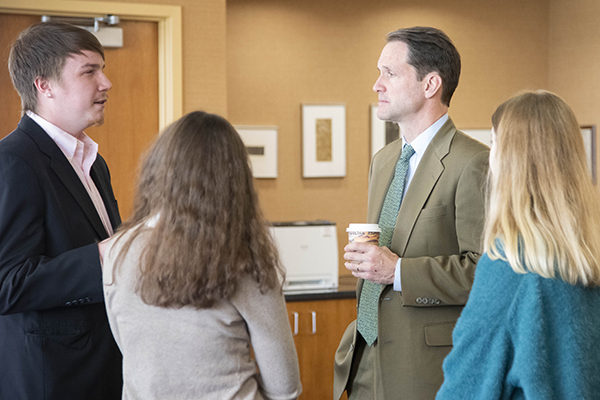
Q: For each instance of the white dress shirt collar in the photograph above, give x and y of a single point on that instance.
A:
(81, 154)
(422, 141)
(81, 151)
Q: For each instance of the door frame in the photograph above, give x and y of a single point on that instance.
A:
(170, 85)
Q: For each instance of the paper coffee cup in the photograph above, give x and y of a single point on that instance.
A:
(364, 233)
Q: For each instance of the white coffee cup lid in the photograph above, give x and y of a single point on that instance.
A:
(363, 228)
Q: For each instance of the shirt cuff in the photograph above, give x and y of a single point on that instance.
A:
(397, 281)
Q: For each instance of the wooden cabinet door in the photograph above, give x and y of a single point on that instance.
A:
(320, 326)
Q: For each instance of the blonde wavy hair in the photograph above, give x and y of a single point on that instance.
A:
(542, 202)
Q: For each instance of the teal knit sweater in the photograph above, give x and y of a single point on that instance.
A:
(522, 336)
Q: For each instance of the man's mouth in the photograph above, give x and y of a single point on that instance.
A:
(101, 102)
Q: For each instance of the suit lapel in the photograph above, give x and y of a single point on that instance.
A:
(428, 172)
(103, 186)
(64, 171)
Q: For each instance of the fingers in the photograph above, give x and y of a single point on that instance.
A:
(362, 270)
(376, 266)
(358, 247)
(354, 257)
(360, 252)
(354, 266)
(356, 270)
(366, 261)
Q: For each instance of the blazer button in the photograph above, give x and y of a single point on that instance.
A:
(425, 301)
(437, 302)
(419, 300)
(88, 300)
(68, 303)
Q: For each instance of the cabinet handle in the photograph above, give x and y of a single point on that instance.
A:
(295, 323)
(314, 322)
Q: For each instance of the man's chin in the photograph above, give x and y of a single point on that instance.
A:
(382, 113)
(383, 116)
(98, 122)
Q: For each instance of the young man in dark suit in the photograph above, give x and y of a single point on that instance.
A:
(56, 204)
(426, 193)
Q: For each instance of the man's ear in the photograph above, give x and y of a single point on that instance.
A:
(433, 85)
(43, 86)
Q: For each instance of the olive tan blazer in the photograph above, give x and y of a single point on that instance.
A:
(438, 235)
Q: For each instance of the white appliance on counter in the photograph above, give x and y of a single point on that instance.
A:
(309, 253)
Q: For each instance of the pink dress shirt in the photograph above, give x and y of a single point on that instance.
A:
(81, 153)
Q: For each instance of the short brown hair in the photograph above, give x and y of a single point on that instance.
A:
(41, 51)
(431, 50)
(210, 233)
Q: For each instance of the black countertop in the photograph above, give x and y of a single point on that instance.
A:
(346, 290)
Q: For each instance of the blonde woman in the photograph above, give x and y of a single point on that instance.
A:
(192, 280)
(531, 327)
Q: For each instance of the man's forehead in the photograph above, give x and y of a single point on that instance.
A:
(85, 59)
(393, 54)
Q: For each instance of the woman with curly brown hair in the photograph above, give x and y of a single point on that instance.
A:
(193, 281)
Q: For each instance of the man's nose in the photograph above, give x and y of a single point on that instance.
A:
(105, 83)
(377, 87)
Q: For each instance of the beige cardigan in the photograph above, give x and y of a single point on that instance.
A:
(200, 354)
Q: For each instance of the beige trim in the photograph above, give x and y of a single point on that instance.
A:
(170, 91)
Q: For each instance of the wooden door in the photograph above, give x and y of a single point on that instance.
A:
(131, 121)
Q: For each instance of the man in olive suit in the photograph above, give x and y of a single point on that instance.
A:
(426, 192)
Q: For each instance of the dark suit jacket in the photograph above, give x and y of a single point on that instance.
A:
(55, 341)
(438, 235)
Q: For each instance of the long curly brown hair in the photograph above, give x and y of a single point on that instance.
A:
(210, 232)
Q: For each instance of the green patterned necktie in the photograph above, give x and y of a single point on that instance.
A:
(369, 296)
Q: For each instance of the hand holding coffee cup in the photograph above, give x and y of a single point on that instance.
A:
(364, 258)
(363, 233)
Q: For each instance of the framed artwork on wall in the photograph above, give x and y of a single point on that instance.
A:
(261, 144)
(323, 140)
(589, 142)
(382, 132)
